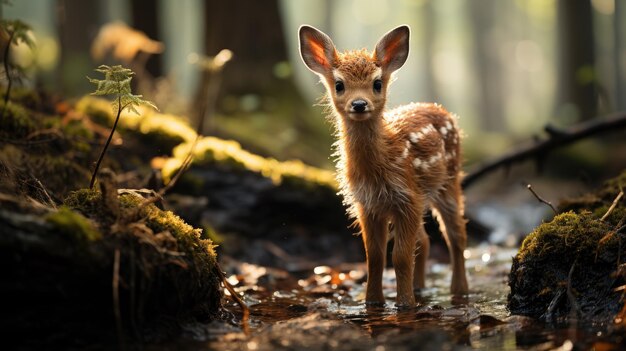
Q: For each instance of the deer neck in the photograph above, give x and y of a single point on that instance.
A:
(364, 146)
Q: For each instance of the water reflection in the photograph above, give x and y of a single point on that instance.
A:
(319, 308)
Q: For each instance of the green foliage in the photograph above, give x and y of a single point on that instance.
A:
(73, 224)
(15, 122)
(116, 82)
(189, 239)
(18, 31)
(229, 153)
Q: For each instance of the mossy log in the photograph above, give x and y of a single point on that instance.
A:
(59, 271)
(572, 267)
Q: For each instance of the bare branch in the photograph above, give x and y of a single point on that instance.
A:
(557, 138)
(540, 199)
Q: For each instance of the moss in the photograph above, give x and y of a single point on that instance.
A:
(159, 130)
(23, 96)
(601, 198)
(189, 239)
(229, 154)
(73, 224)
(17, 122)
(66, 173)
(86, 201)
(575, 251)
(567, 234)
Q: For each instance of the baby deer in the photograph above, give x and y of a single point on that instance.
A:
(392, 165)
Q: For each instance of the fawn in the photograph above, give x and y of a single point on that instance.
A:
(392, 165)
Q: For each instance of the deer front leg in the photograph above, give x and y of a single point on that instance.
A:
(404, 258)
(374, 232)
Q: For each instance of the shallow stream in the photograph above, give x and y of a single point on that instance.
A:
(323, 309)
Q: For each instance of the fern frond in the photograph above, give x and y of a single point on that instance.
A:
(116, 82)
(20, 32)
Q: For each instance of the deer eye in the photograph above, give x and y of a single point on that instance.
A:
(378, 85)
(339, 86)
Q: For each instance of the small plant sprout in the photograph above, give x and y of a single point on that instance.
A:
(17, 32)
(116, 82)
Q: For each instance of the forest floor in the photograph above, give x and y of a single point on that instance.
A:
(284, 243)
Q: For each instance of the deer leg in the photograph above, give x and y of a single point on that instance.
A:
(404, 259)
(448, 209)
(421, 255)
(374, 232)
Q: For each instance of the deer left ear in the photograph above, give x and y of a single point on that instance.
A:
(392, 49)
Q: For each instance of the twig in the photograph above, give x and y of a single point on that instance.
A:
(244, 308)
(43, 188)
(541, 147)
(116, 297)
(540, 199)
(613, 205)
(183, 168)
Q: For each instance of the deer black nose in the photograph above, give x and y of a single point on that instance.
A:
(359, 105)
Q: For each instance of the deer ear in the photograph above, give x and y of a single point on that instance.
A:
(317, 50)
(392, 49)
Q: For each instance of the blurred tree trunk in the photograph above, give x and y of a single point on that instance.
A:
(619, 17)
(428, 21)
(145, 16)
(78, 24)
(487, 66)
(577, 76)
(253, 31)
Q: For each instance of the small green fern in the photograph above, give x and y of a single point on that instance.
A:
(116, 83)
(17, 31)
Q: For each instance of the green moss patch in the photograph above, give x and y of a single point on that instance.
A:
(73, 224)
(161, 131)
(569, 266)
(211, 151)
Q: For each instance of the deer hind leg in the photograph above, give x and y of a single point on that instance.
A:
(422, 251)
(448, 209)
(374, 231)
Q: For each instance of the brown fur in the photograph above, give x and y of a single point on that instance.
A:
(393, 165)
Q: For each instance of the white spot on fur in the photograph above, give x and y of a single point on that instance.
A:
(443, 131)
(417, 163)
(416, 136)
(448, 125)
(434, 158)
(405, 152)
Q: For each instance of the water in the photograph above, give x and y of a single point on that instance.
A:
(323, 309)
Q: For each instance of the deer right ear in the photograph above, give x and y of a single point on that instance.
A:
(317, 50)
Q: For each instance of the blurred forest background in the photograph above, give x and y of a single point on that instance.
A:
(506, 67)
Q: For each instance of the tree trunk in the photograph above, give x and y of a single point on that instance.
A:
(577, 75)
(487, 67)
(145, 15)
(78, 24)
